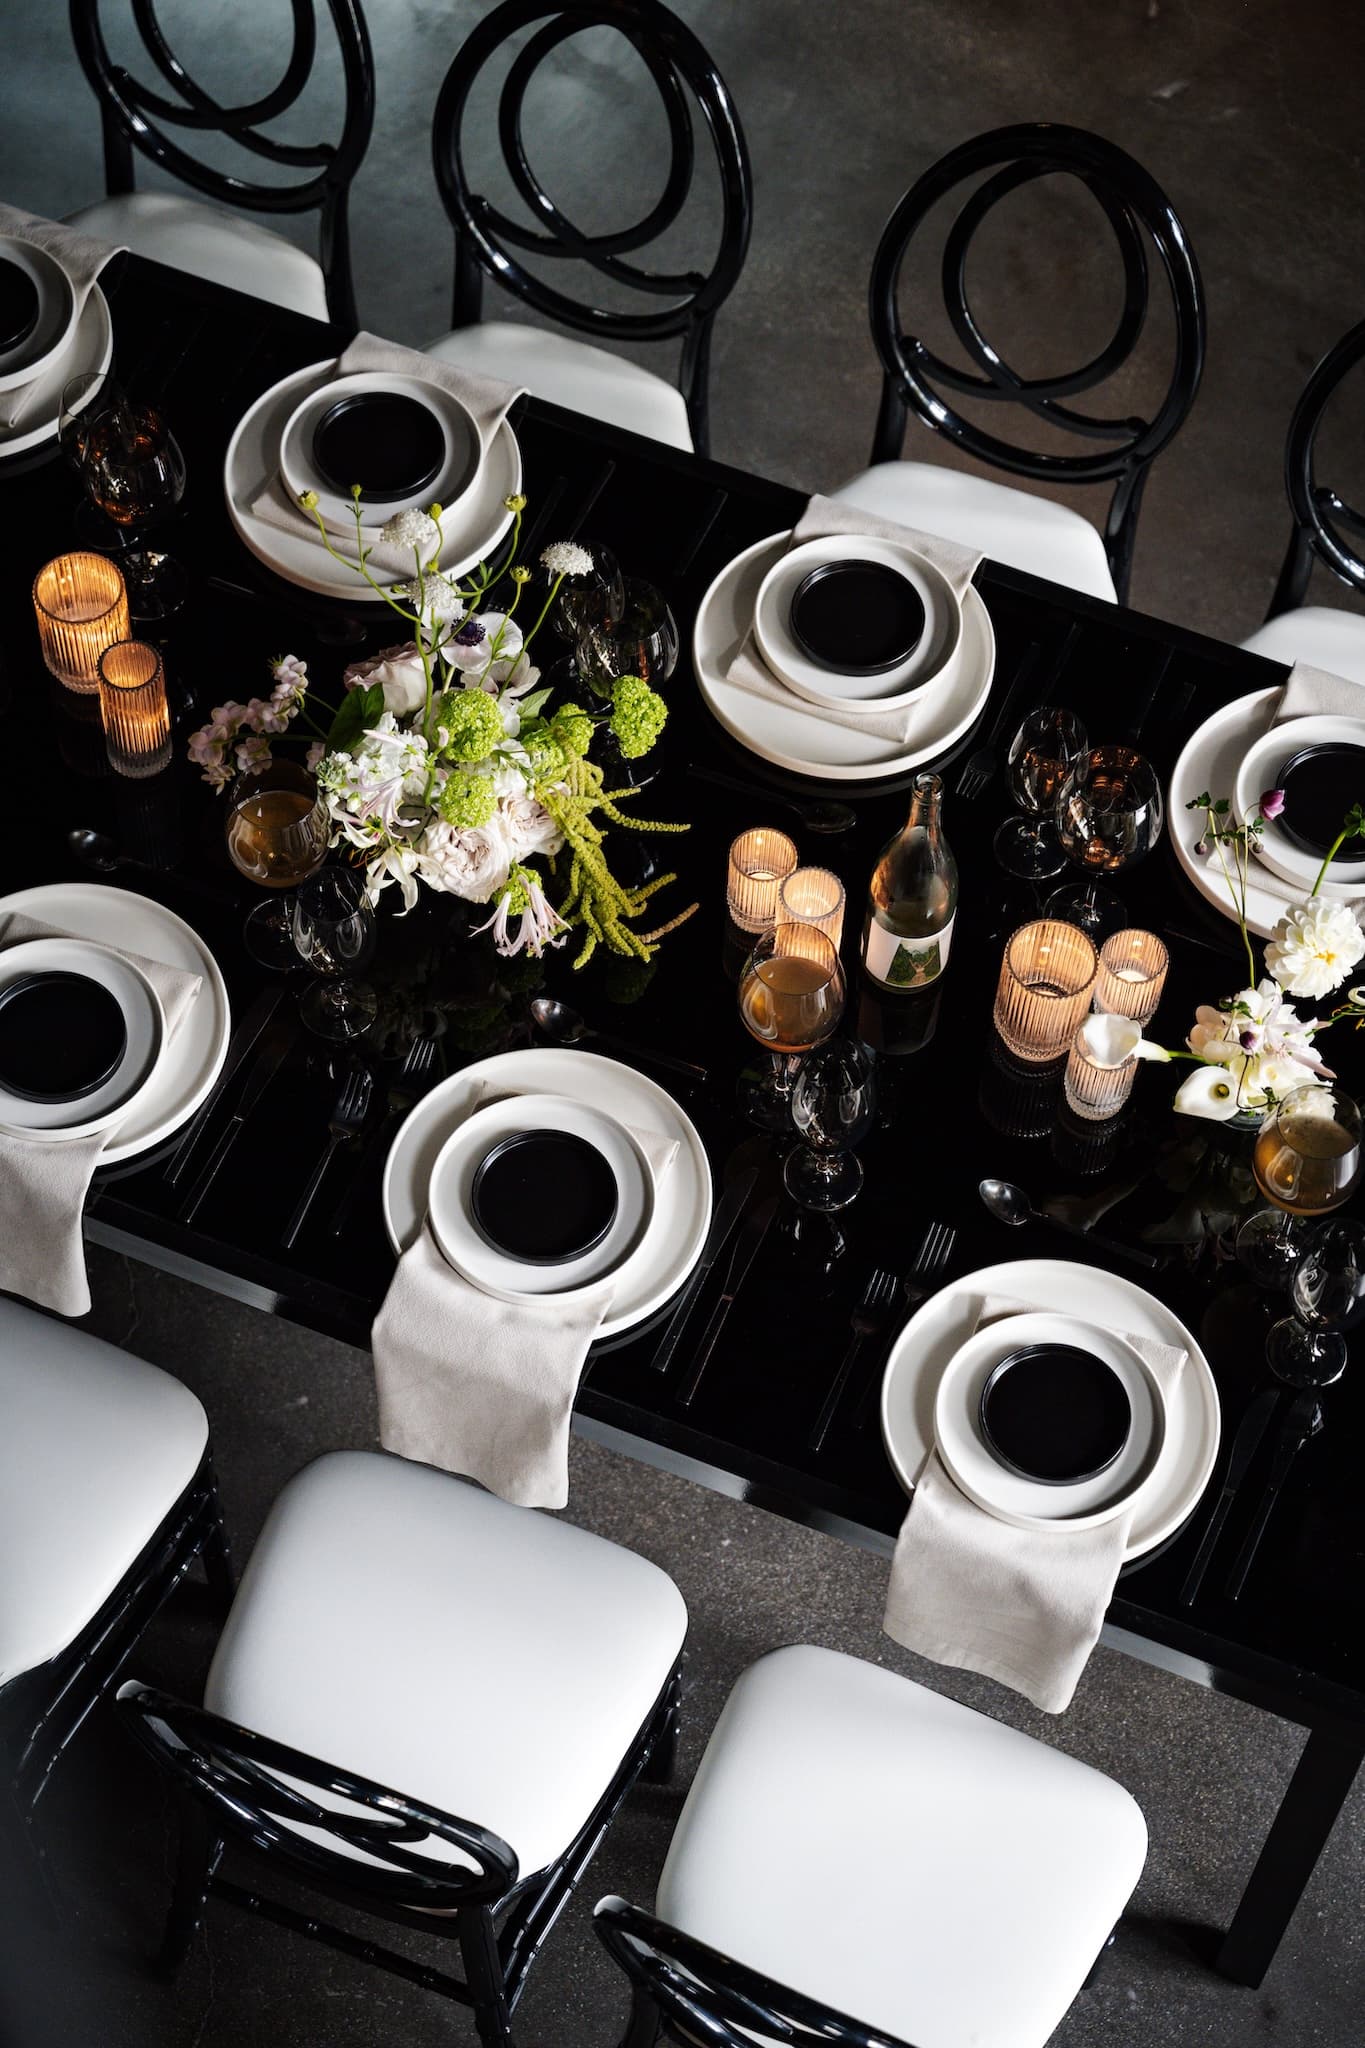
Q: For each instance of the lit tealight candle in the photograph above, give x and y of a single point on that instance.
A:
(760, 862)
(816, 897)
(81, 607)
(1132, 975)
(137, 725)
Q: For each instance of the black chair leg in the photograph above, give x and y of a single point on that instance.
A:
(643, 2030)
(200, 1853)
(1098, 1965)
(218, 1565)
(662, 1757)
(483, 1975)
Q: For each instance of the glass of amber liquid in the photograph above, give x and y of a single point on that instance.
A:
(1306, 1162)
(277, 832)
(791, 997)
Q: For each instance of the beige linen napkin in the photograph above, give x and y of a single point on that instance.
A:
(1023, 1606)
(482, 1386)
(43, 1185)
(487, 398)
(1316, 693)
(821, 518)
(82, 257)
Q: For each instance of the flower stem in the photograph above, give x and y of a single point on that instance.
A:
(1331, 855)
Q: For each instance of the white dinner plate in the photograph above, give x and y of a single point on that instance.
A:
(90, 348)
(460, 464)
(894, 688)
(144, 1027)
(798, 737)
(1259, 771)
(1209, 763)
(938, 1330)
(1029, 1503)
(39, 349)
(252, 462)
(194, 1054)
(496, 1272)
(682, 1198)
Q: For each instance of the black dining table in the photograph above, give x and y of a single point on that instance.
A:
(949, 1113)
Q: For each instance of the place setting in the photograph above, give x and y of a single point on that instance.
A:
(849, 648)
(54, 324)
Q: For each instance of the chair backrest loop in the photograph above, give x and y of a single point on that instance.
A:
(1325, 524)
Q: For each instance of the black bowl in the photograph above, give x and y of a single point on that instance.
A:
(857, 618)
(390, 444)
(543, 1197)
(19, 304)
(62, 1036)
(1055, 1414)
(1320, 786)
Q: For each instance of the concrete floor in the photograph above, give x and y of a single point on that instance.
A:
(1248, 113)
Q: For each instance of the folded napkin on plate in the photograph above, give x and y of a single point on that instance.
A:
(1315, 693)
(488, 399)
(822, 518)
(1023, 1606)
(82, 257)
(43, 1182)
(482, 1386)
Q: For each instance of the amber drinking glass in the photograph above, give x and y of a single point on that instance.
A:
(1307, 1161)
(277, 832)
(791, 997)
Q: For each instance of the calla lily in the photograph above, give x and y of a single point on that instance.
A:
(1208, 1092)
(1109, 1040)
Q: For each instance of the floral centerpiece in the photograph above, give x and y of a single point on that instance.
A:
(1252, 1048)
(445, 763)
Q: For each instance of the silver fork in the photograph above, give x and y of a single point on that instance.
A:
(352, 1107)
(982, 764)
(407, 1091)
(935, 1250)
(871, 1313)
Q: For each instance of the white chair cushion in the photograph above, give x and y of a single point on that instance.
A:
(1010, 526)
(571, 373)
(95, 1450)
(899, 1857)
(208, 242)
(400, 1623)
(1318, 634)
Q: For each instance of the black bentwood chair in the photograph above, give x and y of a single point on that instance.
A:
(509, 1674)
(487, 240)
(1009, 525)
(203, 240)
(1325, 527)
(853, 1843)
(106, 1499)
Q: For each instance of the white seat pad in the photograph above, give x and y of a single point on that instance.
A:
(571, 373)
(95, 1450)
(208, 242)
(1010, 526)
(1318, 634)
(899, 1857)
(485, 1659)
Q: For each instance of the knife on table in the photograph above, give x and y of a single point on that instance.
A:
(1245, 1445)
(1301, 1424)
(267, 1064)
(243, 1040)
(727, 1215)
(747, 1247)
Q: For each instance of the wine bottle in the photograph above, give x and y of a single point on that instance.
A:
(912, 898)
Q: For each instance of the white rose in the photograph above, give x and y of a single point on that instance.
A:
(528, 827)
(1314, 947)
(472, 862)
(398, 671)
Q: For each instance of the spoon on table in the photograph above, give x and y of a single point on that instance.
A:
(819, 814)
(1009, 1204)
(98, 851)
(564, 1024)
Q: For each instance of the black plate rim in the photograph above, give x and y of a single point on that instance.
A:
(35, 978)
(348, 402)
(509, 1143)
(1311, 846)
(841, 565)
(1017, 1357)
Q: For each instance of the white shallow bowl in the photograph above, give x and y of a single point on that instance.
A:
(1258, 772)
(461, 464)
(143, 1021)
(39, 350)
(1009, 1496)
(932, 660)
(90, 347)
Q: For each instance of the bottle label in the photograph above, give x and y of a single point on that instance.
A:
(907, 963)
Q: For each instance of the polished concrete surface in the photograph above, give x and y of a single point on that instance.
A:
(1248, 113)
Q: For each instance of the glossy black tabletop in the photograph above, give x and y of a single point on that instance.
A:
(948, 1113)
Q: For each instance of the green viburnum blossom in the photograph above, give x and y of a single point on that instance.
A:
(468, 725)
(466, 800)
(637, 717)
(571, 729)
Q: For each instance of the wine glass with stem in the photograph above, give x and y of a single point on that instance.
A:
(1041, 753)
(791, 997)
(334, 931)
(834, 1105)
(641, 641)
(277, 833)
(134, 473)
(1307, 1348)
(1109, 816)
(1307, 1160)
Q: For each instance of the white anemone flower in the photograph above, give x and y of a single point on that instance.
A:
(1314, 947)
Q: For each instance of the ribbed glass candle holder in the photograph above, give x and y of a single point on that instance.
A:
(1100, 1069)
(137, 725)
(1047, 977)
(816, 897)
(1132, 975)
(760, 862)
(81, 607)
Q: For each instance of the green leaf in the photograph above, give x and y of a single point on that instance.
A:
(1221, 808)
(1198, 803)
(359, 709)
(533, 702)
